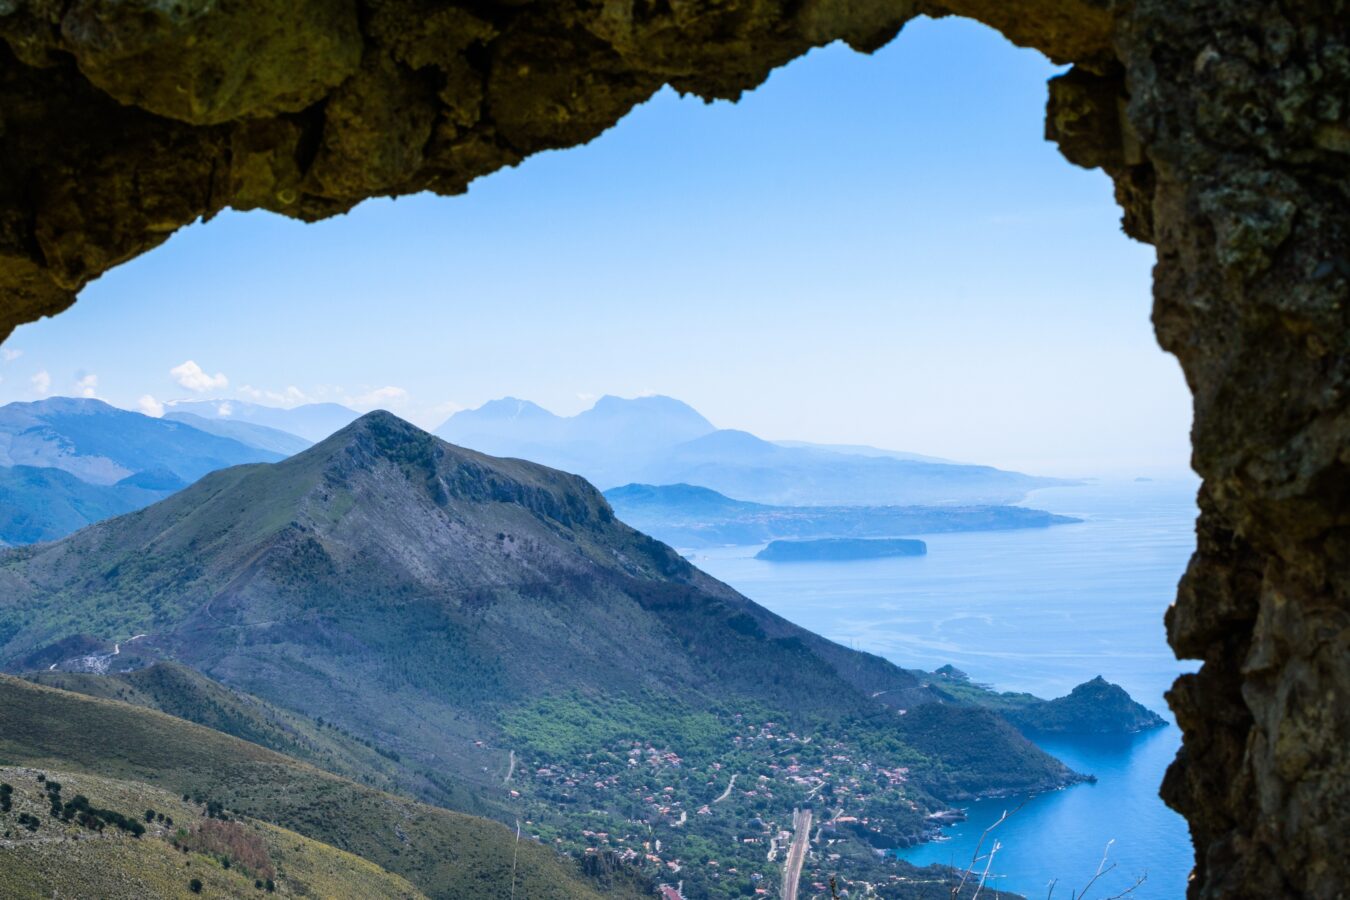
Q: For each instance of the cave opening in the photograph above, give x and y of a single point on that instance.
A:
(1222, 126)
(883, 237)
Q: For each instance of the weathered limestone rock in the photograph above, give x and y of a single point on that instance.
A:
(1252, 225)
(1225, 126)
(227, 60)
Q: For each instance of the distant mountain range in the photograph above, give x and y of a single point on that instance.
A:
(119, 461)
(659, 440)
(687, 516)
(260, 436)
(67, 462)
(101, 444)
(311, 421)
(44, 503)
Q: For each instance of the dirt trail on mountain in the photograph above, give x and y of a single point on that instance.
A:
(727, 793)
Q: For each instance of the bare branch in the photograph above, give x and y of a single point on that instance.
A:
(975, 857)
(984, 876)
(1102, 869)
(1051, 893)
(1129, 890)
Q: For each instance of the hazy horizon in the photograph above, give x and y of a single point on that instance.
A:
(879, 251)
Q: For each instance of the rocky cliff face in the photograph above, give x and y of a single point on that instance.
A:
(1237, 106)
(1224, 124)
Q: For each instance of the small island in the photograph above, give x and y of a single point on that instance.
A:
(840, 549)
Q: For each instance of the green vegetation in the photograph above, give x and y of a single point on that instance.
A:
(69, 858)
(42, 504)
(444, 853)
(1094, 707)
(82, 813)
(90, 461)
(179, 691)
(564, 727)
(649, 783)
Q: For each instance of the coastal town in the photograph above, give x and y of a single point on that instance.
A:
(716, 819)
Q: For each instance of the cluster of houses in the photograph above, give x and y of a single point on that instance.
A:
(646, 790)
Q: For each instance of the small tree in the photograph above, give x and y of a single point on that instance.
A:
(195, 885)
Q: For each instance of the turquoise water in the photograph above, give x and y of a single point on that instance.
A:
(1038, 611)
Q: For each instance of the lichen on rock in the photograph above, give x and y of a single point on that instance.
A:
(212, 61)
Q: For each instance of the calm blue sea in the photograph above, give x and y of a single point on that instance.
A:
(1037, 611)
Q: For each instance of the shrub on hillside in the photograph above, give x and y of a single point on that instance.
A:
(234, 843)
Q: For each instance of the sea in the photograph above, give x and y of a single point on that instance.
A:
(1038, 610)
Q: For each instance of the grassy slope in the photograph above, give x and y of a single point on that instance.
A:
(65, 860)
(187, 694)
(445, 854)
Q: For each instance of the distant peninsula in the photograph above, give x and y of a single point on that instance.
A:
(685, 515)
(840, 549)
(1094, 707)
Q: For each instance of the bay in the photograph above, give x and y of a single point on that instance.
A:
(1040, 611)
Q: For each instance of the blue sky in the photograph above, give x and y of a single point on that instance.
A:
(875, 250)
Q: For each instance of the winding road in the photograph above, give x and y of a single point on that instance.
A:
(727, 793)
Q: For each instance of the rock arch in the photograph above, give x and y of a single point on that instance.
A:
(1224, 124)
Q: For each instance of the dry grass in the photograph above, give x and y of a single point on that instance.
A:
(62, 859)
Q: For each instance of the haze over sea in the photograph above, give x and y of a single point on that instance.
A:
(1038, 611)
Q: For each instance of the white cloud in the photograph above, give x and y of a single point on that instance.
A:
(10, 355)
(291, 396)
(150, 406)
(587, 397)
(87, 385)
(225, 410)
(191, 376)
(378, 398)
(42, 383)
